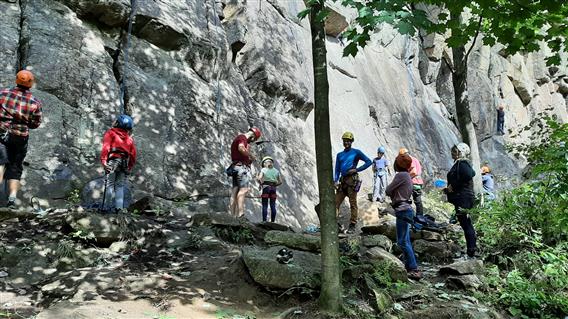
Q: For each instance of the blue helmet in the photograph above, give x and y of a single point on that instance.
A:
(124, 121)
(381, 150)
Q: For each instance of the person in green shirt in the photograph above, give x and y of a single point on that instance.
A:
(269, 178)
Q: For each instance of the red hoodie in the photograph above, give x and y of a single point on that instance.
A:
(117, 139)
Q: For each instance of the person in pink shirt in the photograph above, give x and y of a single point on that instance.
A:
(417, 182)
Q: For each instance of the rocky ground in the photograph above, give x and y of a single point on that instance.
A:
(71, 263)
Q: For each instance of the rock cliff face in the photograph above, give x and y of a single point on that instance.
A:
(201, 71)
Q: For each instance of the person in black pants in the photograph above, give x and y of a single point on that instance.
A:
(460, 193)
(500, 120)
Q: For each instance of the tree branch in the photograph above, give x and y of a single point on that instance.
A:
(474, 38)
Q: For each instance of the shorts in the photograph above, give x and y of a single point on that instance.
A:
(242, 177)
(12, 154)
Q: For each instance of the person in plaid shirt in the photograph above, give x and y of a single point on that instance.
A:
(20, 111)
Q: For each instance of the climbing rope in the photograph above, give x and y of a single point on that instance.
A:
(126, 49)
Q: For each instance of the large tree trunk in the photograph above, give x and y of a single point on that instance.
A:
(330, 297)
(463, 112)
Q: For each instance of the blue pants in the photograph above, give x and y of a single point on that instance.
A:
(116, 185)
(403, 238)
(268, 195)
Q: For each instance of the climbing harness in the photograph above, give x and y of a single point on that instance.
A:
(126, 50)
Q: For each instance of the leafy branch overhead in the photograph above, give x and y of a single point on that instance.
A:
(519, 25)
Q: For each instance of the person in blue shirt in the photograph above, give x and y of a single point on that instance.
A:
(346, 178)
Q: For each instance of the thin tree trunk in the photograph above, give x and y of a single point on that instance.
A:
(463, 112)
(330, 297)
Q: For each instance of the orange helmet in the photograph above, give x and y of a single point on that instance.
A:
(402, 151)
(25, 78)
(485, 169)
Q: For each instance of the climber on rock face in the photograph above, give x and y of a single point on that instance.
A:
(118, 156)
(417, 182)
(242, 159)
(20, 111)
(501, 120)
(460, 193)
(346, 178)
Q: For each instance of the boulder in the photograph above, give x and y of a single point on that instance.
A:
(431, 236)
(335, 23)
(381, 241)
(382, 258)
(388, 229)
(435, 250)
(293, 240)
(303, 271)
(463, 267)
(465, 282)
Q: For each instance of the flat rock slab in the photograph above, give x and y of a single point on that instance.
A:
(293, 240)
(464, 267)
(303, 271)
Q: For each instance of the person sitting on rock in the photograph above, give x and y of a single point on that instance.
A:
(269, 178)
(460, 193)
(346, 178)
(400, 192)
(118, 157)
(20, 111)
(488, 183)
(382, 170)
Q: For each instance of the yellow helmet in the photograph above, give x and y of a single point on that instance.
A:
(348, 136)
(485, 169)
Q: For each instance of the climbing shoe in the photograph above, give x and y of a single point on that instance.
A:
(351, 228)
(414, 274)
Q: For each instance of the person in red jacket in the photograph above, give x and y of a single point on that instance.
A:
(118, 157)
(20, 111)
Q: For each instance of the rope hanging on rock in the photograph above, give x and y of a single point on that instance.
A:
(126, 49)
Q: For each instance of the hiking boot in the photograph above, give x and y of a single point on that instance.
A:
(414, 274)
(11, 204)
(351, 228)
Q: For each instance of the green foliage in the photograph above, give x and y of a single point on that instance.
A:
(83, 234)
(518, 25)
(74, 197)
(65, 249)
(194, 241)
(236, 235)
(527, 229)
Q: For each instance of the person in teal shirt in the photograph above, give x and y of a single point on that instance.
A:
(346, 178)
(269, 178)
